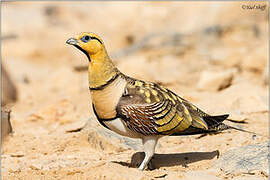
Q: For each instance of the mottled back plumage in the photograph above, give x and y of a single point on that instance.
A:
(151, 109)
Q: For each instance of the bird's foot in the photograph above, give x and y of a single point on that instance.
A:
(150, 165)
(141, 167)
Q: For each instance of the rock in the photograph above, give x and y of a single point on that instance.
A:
(9, 91)
(245, 159)
(124, 141)
(226, 57)
(100, 143)
(6, 127)
(238, 116)
(213, 80)
(36, 166)
(72, 172)
(239, 101)
(17, 154)
(98, 136)
(200, 175)
(15, 168)
(234, 59)
(248, 178)
(75, 127)
(256, 60)
(265, 75)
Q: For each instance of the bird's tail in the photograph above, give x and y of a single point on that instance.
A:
(218, 127)
(242, 130)
(246, 131)
(215, 125)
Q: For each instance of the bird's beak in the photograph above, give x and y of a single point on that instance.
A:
(72, 41)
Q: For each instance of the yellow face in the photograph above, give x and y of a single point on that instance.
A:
(88, 43)
(101, 68)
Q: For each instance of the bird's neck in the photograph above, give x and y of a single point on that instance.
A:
(101, 70)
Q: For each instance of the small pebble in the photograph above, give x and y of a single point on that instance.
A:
(36, 166)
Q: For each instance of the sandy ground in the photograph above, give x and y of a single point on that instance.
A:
(197, 48)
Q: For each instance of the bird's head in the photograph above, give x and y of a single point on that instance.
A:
(101, 68)
(89, 43)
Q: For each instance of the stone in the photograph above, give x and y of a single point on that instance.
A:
(265, 75)
(214, 81)
(245, 159)
(99, 136)
(200, 175)
(17, 154)
(237, 100)
(36, 166)
(15, 168)
(256, 60)
(9, 90)
(240, 101)
(6, 127)
(226, 57)
(248, 178)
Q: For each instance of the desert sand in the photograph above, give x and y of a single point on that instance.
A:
(212, 54)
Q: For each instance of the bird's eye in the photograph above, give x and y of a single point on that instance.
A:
(85, 38)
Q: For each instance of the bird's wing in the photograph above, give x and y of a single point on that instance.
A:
(150, 109)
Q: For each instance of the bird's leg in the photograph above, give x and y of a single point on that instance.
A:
(149, 145)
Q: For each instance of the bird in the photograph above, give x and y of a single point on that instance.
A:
(139, 109)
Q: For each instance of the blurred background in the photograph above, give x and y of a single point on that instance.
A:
(214, 54)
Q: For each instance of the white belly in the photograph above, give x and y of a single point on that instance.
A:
(119, 127)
